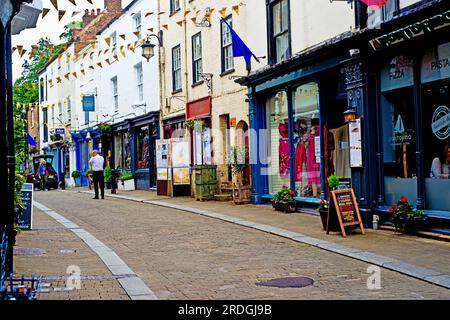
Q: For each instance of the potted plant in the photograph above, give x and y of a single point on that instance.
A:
(127, 181)
(324, 205)
(107, 175)
(76, 175)
(404, 216)
(333, 181)
(105, 130)
(284, 200)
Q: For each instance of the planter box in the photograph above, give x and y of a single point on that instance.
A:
(286, 207)
(77, 181)
(108, 185)
(127, 185)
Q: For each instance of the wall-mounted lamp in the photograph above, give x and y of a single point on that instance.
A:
(350, 115)
(148, 48)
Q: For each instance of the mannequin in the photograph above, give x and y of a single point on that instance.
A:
(283, 149)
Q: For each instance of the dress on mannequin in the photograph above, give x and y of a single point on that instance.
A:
(312, 166)
(283, 149)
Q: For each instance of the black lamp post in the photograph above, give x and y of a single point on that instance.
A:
(148, 48)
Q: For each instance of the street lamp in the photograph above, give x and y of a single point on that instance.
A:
(350, 115)
(148, 48)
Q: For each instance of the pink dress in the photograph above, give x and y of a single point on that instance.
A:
(313, 167)
(283, 149)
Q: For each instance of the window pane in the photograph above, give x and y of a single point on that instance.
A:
(278, 144)
(282, 47)
(276, 17)
(284, 15)
(307, 140)
(143, 148)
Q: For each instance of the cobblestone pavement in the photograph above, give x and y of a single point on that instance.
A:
(186, 256)
(422, 252)
(49, 250)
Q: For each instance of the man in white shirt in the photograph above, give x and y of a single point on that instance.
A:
(97, 163)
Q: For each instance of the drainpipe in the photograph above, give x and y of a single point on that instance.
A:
(3, 141)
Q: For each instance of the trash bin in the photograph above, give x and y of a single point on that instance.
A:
(115, 175)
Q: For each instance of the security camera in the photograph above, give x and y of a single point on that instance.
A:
(353, 52)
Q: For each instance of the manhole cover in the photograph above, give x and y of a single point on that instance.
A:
(289, 282)
(19, 251)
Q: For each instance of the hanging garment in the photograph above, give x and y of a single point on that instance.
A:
(283, 149)
(341, 152)
(312, 166)
(300, 159)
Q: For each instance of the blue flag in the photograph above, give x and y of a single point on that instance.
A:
(240, 49)
(31, 141)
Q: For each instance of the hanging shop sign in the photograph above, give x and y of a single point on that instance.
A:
(88, 103)
(25, 220)
(199, 108)
(345, 208)
(355, 144)
(398, 73)
(60, 131)
(436, 63)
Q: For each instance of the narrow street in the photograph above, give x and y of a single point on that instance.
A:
(179, 255)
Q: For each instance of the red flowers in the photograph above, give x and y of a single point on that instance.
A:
(291, 192)
(392, 209)
(403, 200)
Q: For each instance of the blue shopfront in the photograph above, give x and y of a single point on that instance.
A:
(85, 142)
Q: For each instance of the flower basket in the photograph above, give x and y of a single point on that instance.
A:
(405, 217)
(284, 200)
(285, 206)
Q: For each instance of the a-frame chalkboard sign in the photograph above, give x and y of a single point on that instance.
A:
(345, 207)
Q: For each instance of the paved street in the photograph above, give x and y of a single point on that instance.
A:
(180, 255)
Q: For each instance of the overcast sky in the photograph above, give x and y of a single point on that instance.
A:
(50, 27)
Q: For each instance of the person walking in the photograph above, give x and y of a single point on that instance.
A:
(42, 172)
(97, 163)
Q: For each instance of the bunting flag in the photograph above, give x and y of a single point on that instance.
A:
(100, 64)
(75, 13)
(99, 53)
(108, 41)
(90, 1)
(223, 12)
(82, 72)
(187, 12)
(208, 16)
(19, 50)
(13, 49)
(44, 12)
(194, 20)
(91, 67)
(162, 12)
(22, 53)
(236, 9)
(106, 51)
(34, 49)
(122, 51)
(107, 61)
(73, 2)
(148, 13)
(61, 14)
(116, 57)
(67, 76)
(131, 48)
(84, 55)
(180, 23)
(137, 34)
(55, 3)
(165, 26)
(123, 36)
(74, 74)
(150, 29)
(58, 79)
(50, 82)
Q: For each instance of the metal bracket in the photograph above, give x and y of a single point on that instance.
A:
(207, 77)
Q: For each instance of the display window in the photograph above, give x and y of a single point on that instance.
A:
(122, 151)
(143, 147)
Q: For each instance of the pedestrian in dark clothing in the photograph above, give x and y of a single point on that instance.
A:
(42, 172)
(98, 165)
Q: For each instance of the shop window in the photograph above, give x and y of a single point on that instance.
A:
(143, 147)
(122, 151)
(436, 126)
(306, 140)
(202, 142)
(278, 142)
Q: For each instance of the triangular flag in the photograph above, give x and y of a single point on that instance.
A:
(13, 49)
(106, 51)
(162, 12)
(84, 55)
(91, 67)
(61, 14)
(223, 11)
(236, 9)
(19, 50)
(123, 36)
(194, 20)
(75, 13)
(187, 12)
(99, 53)
(148, 13)
(180, 23)
(67, 76)
(54, 3)
(90, 1)
(165, 26)
(58, 79)
(122, 51)
(64, 46)
(208, 16)
(150, 29)
(82, 72)
(44, 12)
(131, 49)
(22, 53)
(74, 75)
(73, 2)
(108, 41)
(107, 61)
(137, 34)
(99, 64)
(116, 57)
(34, 49)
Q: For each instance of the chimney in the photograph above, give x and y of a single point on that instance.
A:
(87, 18)
(98, 11)
(113, 5)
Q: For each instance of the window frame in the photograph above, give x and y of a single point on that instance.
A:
(176, 72)
(137, 27)
(197, 62)
(223, 47)
(115, 92)
(273, 59)
(173, 7)
(139, 80)
(69, 110)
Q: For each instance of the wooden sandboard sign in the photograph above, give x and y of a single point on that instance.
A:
(345, 207)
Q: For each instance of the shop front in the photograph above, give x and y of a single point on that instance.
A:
(415, 127)
(134, 149)
(85, 142)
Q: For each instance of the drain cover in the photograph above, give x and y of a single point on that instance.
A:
(290, 282)
(19, 251)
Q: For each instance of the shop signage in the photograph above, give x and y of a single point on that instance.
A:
(60, 131)
(436, 63)
(25, 220)
(199, 108)
(401, 135)
(397, 74)
(88, 103)
(411, 31)
(440, 124)
(162, 174)
(355, 144)
(345, 207)
(162, 153)
(180, 154)
(181, 176)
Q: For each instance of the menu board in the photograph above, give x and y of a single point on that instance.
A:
(162, 153)
(181, 157)
(25, 220)
(344, 205)
(355, 144)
